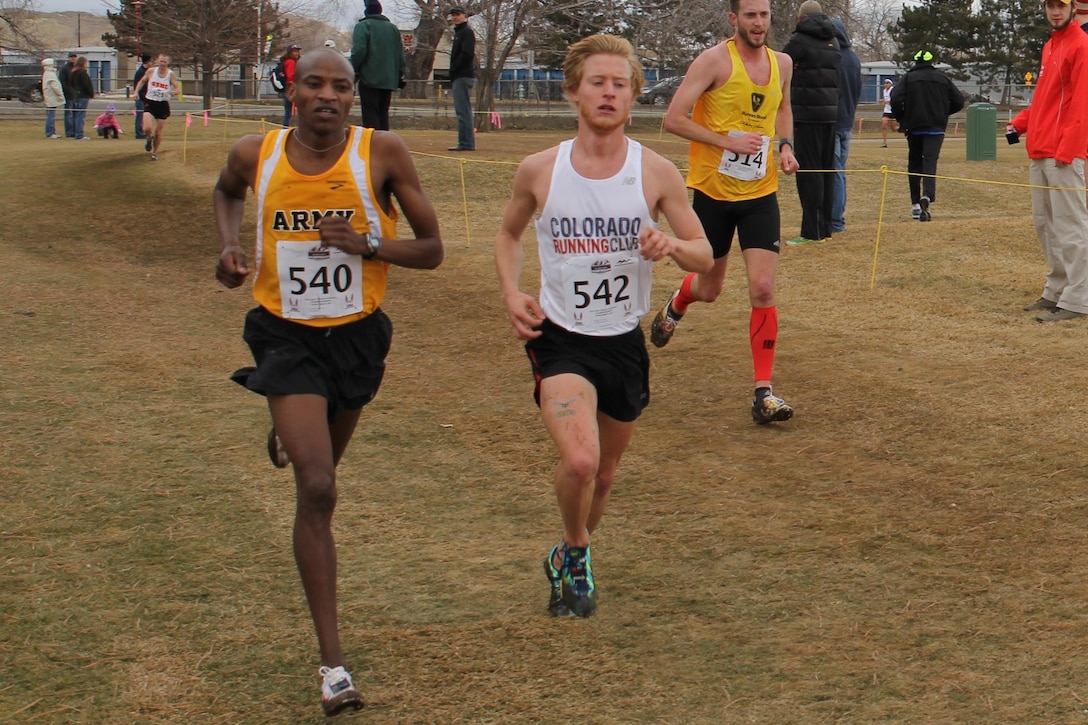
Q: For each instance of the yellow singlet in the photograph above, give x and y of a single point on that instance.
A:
(298, 279)
(737, 105)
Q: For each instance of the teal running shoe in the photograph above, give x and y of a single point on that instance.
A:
(556, 606)
(578, 590)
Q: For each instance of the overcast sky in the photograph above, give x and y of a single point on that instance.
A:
(344, 19)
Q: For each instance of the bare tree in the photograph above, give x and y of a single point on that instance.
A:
(868, 23)
(209, 34)
(500, 26)
(15, 17)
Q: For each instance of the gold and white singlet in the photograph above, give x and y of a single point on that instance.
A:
(298, 279)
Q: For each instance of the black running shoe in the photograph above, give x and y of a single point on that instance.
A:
(664, 324)
(923, 215)
(770, 409)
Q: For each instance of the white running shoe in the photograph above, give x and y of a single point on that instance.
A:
(337, 691)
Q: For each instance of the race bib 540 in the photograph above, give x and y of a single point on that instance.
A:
(317, 281)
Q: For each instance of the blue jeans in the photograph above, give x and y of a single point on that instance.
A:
(462, 106)
(50, 122)
(287, 107)
(838, 202)
(79, 115)
(139, 118)
(68, 132)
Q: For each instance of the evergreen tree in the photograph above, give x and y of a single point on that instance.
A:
(1011, 42)
(946, 28)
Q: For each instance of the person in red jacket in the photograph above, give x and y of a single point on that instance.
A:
(289, 59)
(1056, 125)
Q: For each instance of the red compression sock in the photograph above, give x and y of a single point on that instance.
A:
(684, 296)
(763, 334)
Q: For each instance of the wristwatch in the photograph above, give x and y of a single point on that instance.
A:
(372, 243)
(784, 142)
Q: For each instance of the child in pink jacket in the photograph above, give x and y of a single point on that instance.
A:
(107, 124)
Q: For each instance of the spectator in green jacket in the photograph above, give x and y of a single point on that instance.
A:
(377, 55)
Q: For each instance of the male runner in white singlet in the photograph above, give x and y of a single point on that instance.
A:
(599, 197)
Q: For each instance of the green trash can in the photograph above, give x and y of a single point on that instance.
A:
(981, 132)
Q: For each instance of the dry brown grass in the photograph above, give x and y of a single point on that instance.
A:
(905, 550)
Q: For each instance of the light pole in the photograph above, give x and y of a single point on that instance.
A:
(137, 4)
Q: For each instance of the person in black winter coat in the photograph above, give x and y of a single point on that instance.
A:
(463, 78)
(849, 92)
(814, 96)
(922, 103)
(65, 77)
(82, 90)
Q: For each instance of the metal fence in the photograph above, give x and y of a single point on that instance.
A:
(544, 97)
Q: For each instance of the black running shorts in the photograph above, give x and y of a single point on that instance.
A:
(617, 366)
(159, 110)
(343, 364)
(756, 222)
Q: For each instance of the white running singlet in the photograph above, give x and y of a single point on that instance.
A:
(593, 281)
(158, 87)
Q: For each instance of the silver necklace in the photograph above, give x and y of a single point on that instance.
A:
(320, 151)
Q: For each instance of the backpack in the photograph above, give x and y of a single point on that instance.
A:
(278, 78)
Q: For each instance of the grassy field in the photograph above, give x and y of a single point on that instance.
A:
(909, 549)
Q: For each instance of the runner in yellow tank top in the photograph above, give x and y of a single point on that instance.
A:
(737, 106)
(738, 95)
(326, 235)
(297, 278)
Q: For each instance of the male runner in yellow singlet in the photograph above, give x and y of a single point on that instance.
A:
(738, 95)
(326, 235)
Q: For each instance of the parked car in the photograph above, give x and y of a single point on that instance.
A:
(22, 81)
(660, 93)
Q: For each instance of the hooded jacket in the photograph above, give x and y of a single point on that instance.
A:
(52, 93)
(849, 79)
(924, 99)
(1056, 122)
(814, 92)
(377, 53)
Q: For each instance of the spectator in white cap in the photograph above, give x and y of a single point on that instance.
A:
(52, 96)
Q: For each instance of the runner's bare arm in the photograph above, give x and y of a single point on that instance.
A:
(708, 71)
(394, 175)
(665, 188)
(523, 310)
(783, 121)
(229, 202)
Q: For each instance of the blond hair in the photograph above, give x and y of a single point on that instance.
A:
(575, 62)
